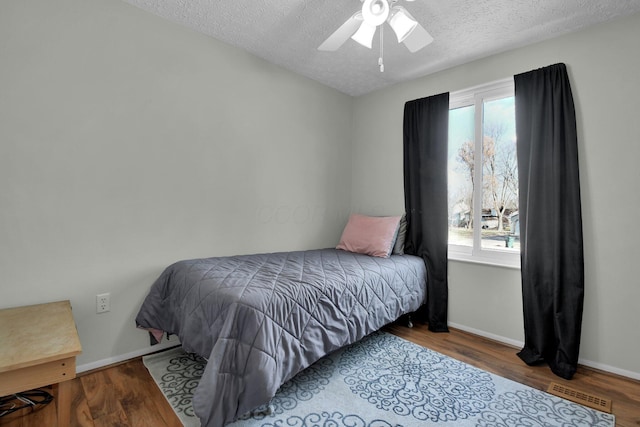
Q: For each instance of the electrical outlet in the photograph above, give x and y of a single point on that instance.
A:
(103, 303)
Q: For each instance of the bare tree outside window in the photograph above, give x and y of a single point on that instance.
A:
(492, 178)
(461, 175)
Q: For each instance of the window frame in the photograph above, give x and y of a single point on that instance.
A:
(476, 96)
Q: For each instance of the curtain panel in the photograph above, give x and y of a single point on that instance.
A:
(426, 133)
(550, 219)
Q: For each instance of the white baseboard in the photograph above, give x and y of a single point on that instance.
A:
(520, 344)
(610, 369)
(124, 357)
(485, 334)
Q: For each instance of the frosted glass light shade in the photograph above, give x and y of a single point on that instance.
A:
(401, 22)
(365, 34)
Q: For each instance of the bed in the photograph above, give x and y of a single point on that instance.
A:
(260, 319)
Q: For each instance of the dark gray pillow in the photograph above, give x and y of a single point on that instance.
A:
(398, 247)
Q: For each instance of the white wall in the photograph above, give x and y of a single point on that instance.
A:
(128, 142)
(603, 63)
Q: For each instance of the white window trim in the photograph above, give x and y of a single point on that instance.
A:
(476, 96)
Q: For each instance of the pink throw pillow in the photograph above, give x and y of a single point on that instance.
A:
(370, 235)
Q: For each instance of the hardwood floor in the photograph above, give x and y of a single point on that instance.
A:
(125, 395)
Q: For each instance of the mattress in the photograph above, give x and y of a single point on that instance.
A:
(260, 319)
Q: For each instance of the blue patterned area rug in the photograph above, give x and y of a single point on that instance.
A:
(385, 381)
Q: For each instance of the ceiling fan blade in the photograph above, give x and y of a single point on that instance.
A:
(418, 39)
(343, 33)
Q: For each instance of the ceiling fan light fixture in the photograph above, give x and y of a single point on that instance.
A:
(375, 12)
(365, 34)
(401, 22)
(362, 26)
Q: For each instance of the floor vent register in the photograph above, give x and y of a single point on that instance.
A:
(577, 396)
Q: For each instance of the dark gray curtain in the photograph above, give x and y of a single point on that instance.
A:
(426, 133)
(550, 219)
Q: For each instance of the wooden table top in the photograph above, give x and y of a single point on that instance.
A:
(37, 334)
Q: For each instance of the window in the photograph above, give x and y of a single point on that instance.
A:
(483, 175)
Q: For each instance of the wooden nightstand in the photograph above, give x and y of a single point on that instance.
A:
(38, 347)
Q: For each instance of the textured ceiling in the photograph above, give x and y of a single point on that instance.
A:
(288, 32)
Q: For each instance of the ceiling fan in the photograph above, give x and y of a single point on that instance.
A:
(363, 24)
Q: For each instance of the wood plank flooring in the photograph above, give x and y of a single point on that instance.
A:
(125, 395)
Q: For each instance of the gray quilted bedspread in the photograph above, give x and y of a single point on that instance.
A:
(260, 319)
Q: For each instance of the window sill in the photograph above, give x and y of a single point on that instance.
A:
(511, 261)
